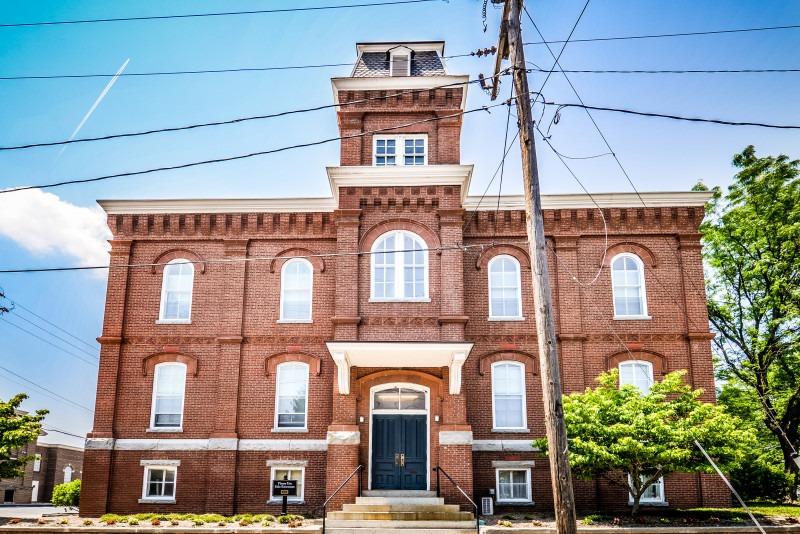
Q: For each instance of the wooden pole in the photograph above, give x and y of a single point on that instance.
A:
(564, 502)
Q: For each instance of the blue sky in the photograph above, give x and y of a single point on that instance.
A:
(40, 230)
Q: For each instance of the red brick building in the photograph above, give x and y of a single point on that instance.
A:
(389, 325)
(54, 464)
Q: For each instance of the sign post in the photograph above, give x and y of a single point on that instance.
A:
(284, 488)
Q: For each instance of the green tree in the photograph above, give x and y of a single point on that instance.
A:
(752, 248)
(17, 429)
(615, 432)
(67, 495)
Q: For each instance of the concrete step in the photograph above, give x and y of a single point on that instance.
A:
(400, 508)
(401, 501)
(407, 515)
(370, 530)
(384, 525)
(398, 493)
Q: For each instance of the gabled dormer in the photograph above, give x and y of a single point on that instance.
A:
(394, 59)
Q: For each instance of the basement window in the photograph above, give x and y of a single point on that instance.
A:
(513, 486)
(288, 472)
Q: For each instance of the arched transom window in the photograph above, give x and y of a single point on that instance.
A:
(398, 398)
(636, 372)
(627, 280)
(399, 267)
(296, 285)
(505, 295)
(176, 291)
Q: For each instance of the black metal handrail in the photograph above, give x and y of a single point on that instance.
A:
(438, 470)
(359, 470)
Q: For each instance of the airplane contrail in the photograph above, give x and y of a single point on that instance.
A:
(96, 103)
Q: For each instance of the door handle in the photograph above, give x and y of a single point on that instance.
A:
(402, 460)
(396, 459)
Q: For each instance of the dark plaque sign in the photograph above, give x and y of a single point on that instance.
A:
(284, 488)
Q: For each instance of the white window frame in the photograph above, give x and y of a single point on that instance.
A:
(661, 499)
(397, 52)
(634, 363)
(163, 305)
(399, 270)
(156, 370)
(308, 319)
(400, 149)
(524, 427)
(275, 427)
(156, 465)
(300, 497)
(37, 463)
(642, 292)
(493, 317)
(527, 472)
(71, 471)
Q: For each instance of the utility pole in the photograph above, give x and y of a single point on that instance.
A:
(510, 44)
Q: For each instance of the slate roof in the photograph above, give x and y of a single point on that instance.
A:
(376, 65)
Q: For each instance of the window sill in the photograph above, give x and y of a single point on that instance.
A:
(511, 503)
(288, 501)
(151, 500)
(295, 430)
(174, 321)
(650, 503)
(511, 430)
(285, 321)
(165, 429)
(632, 317)
(400, 300)
(506, 319)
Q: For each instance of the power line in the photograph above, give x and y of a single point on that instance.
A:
(677, 117)
(245, 156)
(16, 304)
(235, 121)
(73, 403)
(201, 15)
(57, 337)
(672, 71)
(564, 46)
(51, 429)
(663, 35)
(48, 342)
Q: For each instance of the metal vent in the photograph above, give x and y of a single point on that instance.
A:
(400, 65)
(487, 506)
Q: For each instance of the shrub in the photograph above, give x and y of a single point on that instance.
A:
(155, 522)
(263, 517)
(110, 522)
(133, 521)
(198, 522)
(87, 522)
(505, 523)
(295, 523)
(14, 521)
(174, 522)
(42, 521)
(595, 517)
(761, 480)
(527, 517)
(67, 495)
(106, 517)
(244, 523)
(588, 521)
(508, 517)
(64, 521)
(536, 523)
(737, 520)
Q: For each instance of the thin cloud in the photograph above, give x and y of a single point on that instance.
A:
(45, 225)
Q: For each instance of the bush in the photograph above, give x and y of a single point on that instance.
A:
(288, 518)
(67, 495)
(588, 521)
(133, 521)
(761, 480)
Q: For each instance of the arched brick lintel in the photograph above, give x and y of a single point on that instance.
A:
(272, 362)
(372, 235)
(316, 262)
(659, 361)
(174, 254)
(525, 358)
(646, 255)
(486, 256)
(365, 383)
(149, 363)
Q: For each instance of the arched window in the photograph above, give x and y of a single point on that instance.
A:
(399, 267)
(296, 284)
(505, 288)
(627, 280)
(176, 291)
(68, 474)
(291, 398)
(508, 396)
(169, 384)
(636, 372)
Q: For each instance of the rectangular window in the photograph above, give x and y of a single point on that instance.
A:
(159, 482)
(288, 473)
(409, 150)
(37, 463)
(655, 493)
(168, 393)
(508, 395)
(513, 485)
(292, 395)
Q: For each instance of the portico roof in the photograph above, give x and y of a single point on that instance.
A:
(399, 354)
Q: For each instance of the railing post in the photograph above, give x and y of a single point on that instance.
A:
(324, 513)
(360, 480)
(438, 490)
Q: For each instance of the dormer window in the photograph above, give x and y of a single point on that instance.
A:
(400, 62)
(391, 150)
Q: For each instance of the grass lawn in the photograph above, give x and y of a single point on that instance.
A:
(758, 509)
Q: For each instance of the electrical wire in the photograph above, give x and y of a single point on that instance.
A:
(57, 337)
(563, 47)
(73, 403)
(673, 71)
(245, 156)
(203, 15)
(51, 429)
(502, 162)
(663, 35)
(5, 320)
(17, 304)
(235, 121)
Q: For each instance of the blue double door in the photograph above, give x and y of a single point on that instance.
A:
(399, 452)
